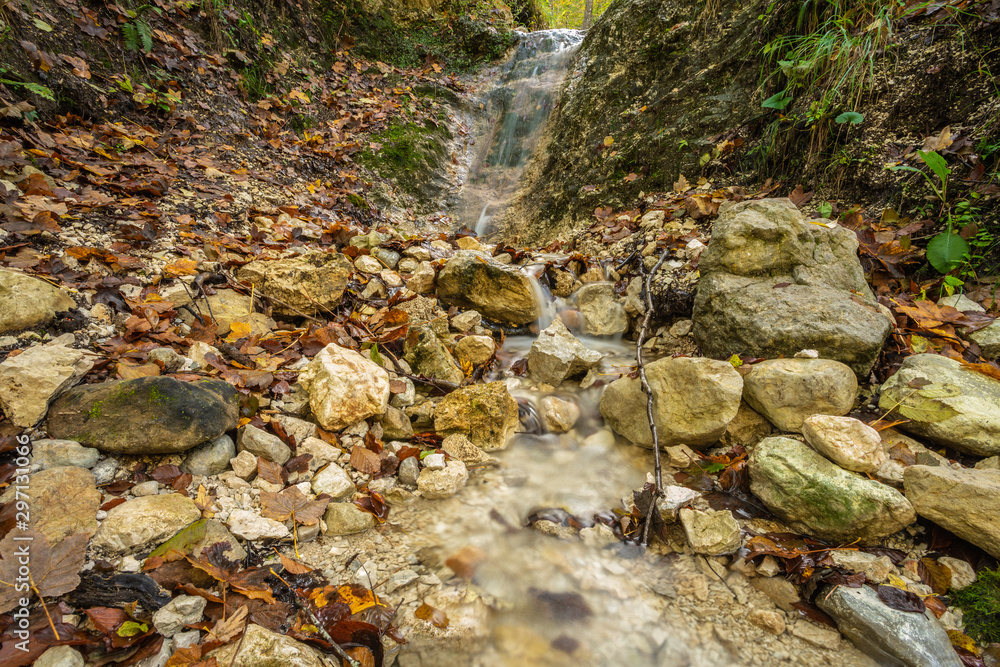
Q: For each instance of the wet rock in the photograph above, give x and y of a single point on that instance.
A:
(769, 621)
(846, 441)
(227, 307)
(32, 379)
(696, 398)
(557, 355)
(62, 453)
(965, 501)
(64, 501)
(466, 321)
(460, 447)
(396, 425)
(773, 284)
(344, 387)
(144, 522)
(946, 403)
(485, 413)
(746, 429)
(60, 656)
(886, 634)
(333, 480)
(816, 497)
(711, 533)
(251, 526)
(210, 458)
(347, 519)
(263, 444)
(434, 484)
(475, 350)
(27, 302)
(429, 356)
(262, 648)
(602, 314)
(409, 470)
(181, 611)
(786, 391)
(304, 284)
(558, 414)
(472, 279)
(150, 415)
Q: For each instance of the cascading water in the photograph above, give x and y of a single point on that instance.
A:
(515, 112)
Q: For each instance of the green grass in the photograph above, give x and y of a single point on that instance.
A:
(980, 604)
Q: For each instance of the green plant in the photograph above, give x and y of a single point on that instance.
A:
(36, 88)
(137, 33)
(980, 604)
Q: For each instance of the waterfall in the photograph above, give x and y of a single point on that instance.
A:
(515, 111)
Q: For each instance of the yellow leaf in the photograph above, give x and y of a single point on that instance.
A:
(238, 330)
(609, 140)
(182, 267)
(735, 359)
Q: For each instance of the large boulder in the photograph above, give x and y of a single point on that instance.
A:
(473, 279)
(344, 387)
(144, 522)
(965, 501)
(786, 391)
(557, 355)
(150, 415)
(773, 284)
(946, 402)
(27, 302)
(890, 636)
(817, 497)
(32, 379)
(64, 501)
(302, 285)
(484, 413)
(694, 400)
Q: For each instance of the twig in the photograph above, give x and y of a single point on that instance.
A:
(341, 653)
(649, 395)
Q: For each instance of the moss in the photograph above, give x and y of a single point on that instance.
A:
(95, 410)
(980, 604)
(410, 153)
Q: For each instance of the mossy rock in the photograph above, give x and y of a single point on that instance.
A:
(156, 415)
(485, 413)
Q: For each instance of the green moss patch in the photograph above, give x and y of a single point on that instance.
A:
(980, 605)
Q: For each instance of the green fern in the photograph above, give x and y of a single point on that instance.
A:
(138, 36)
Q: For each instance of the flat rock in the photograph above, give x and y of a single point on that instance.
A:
(150, 415)
(429, 356)
(485, 413)
(210, 458)
(817, 497)
(261, 647)
(711, 532)
(62, 453)
(144, 523)
(965, 501)
(347, 519)
(64, 501)
(183, 610)
(886, 634)
(443, 483)
(335, 482)
(557, 355)
(251, 526)
(695, 399)
(786, 391)
(32, 379)
(27, 302)
(603, 314)
(946, 403)
(302, 285)
(344, 387)
(559, 414)
(60, 656)
(460, 447)
(848, 442)
(227, 306)
(263, 444)
(473, 279)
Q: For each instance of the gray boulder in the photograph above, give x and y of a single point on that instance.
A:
(210, 458)
(787, 391)
(945, 402)
(773, 284)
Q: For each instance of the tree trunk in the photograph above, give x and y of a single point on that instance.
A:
(588, 14)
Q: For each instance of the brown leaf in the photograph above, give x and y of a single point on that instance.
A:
(292, 504)
(80, 66)
(270, 471)
(436, 617)
(293, 566)
(54, 568)
(227, 628)
(365, 460)
(897, 598)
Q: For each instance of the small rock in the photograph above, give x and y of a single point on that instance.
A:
(409, 471)
(769, 621)
(602, 314)
(244, 465)
(673, 498)
(144, 522)
(485, 413)
(558, 414)
(846, 441)
(400, 579)
(786, 391)
(210, 458)
(712, 533)
(145, 488)
(962, 573)
(475, 350)
(367, 264)
(300, 429)
(105, 471)
(263, 444)
(172, 362)
(344, 387)
(396, 424)
(60, 656)
(261, 647)
(62, 453)
(34, 378)
(435, 484)
(780, 591)
(183, 610)
(557, 355)
(465, 321)
(227, 307)
(322, 452)
(875, 568)
(252, 526)
(422, 279)
(434, 462)
(347, 519)
(965, 501)
(334, 481)
(27, 302)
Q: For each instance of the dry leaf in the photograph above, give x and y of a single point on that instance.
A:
(292, 504)
(365, 460)
(54, 567)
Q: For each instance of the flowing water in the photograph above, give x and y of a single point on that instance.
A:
(514, 116)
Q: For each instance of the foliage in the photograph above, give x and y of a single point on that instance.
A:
(137, 33)
(980, 604)
(570, 13)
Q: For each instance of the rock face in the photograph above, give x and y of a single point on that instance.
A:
(602, 314)
(304, 284)
(484, 413)
(773, 284)
(846, 441)
(151, 415)
(966, 501)
(64, 501)
(786, 391)
(472, 279)
(816, 497)
(262, 648)
(144, 522)
(29, 381)
(946, 403)
(344, 387)
(888, 635)
(429, 356)
(694, 401)
(27, 302)
(557, 355)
